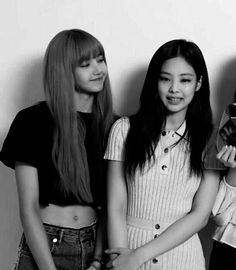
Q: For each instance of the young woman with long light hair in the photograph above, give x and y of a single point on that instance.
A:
(56, 148)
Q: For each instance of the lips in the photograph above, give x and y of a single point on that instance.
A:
(97, 79)
(174, 100)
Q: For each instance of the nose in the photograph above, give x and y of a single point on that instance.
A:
(96, 68)
(174, 87)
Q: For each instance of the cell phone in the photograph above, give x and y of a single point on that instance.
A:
(228, 130)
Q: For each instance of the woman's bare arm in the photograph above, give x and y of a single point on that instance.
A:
(28, 193)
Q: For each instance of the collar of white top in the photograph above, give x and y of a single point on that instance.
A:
(180, 131)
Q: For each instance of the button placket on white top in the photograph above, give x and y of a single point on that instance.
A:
(167, 139)
(164, 163)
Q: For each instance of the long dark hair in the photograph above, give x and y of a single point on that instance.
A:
(147, 123)
(67, 50)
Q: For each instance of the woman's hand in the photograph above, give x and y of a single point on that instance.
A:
(95, 264)
(91, 267)
(227, 156)
(126, 259)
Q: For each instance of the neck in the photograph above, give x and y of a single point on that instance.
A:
(83, 102)
(173, 122)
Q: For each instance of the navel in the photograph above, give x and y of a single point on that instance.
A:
(75, 218)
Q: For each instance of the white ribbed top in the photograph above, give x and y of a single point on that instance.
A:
(165, 190)
(160, 195)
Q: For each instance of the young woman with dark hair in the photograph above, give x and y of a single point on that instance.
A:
(56, 148)
(159, 194)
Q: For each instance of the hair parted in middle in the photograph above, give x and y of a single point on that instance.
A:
(66, 51)
(146, 125)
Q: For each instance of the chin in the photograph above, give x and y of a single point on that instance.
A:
(97, 90)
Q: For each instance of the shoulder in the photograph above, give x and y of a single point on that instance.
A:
(31, 122)
(32, 118)
(119, 130)
(39, 110)
(28, 132)
(121, 126)
(122, 122)
(117, 138)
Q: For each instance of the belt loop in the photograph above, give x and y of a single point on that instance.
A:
(61, 235)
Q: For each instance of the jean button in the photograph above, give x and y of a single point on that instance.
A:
(155, 260)
(163, 133)
(157, 226)
(54, 240)
(166, 150)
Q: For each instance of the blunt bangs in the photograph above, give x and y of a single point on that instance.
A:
(87, 48)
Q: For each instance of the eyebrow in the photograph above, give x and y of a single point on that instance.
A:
(182, 74)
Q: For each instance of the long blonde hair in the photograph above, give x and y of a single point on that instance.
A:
(67, 50)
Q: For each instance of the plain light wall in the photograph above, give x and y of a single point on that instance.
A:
(131, 31)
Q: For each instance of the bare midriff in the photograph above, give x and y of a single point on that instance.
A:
(75, 216)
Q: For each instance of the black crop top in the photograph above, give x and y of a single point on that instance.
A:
(30, 141)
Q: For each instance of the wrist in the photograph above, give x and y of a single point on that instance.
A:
(95, 265)
(139, 255)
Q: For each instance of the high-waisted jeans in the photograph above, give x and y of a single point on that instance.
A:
(71, 249)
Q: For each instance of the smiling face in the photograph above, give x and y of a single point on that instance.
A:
(90, 75)
(177, 85)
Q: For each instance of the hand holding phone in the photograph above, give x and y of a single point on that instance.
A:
(227, 130)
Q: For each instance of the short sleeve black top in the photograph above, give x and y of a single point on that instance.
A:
(30, 141)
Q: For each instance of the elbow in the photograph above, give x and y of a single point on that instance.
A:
(28, 212)
(116, 211)
(199, 218)
(202, 220)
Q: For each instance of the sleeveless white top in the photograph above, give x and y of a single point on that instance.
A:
(159, 195)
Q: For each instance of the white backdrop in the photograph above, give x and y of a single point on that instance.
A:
(131, 31)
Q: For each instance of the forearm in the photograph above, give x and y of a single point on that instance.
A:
(117, 206)
(28, 194)
(173, 236)
(100, 237)
(98, 259)
(117, 230)
(37, 239)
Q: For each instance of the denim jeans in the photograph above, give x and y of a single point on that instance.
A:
(71, 249)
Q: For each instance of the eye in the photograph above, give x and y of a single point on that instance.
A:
(163, 78)
(185, 80)
(100, 59)
(84, 64)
